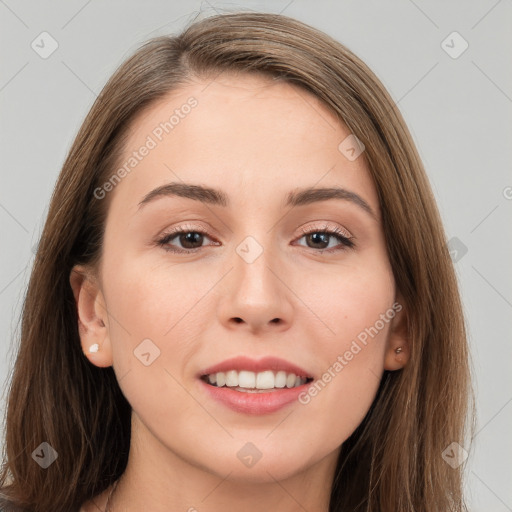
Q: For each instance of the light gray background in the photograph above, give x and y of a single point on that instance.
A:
(458, 111)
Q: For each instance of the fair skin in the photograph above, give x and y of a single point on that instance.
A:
(257, 141)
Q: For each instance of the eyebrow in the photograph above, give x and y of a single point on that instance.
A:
(216, 197)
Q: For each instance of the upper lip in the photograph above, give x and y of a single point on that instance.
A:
(266, 363)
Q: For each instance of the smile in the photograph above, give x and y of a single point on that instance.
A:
(248, 381)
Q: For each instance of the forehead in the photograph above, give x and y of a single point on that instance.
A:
(241, 132)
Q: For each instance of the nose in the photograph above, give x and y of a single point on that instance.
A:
(256, 297)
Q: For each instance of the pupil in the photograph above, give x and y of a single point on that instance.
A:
(191, 238)
(318, 238)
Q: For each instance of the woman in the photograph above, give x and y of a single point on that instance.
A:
(242, 297)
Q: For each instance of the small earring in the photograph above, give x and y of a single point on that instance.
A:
(398, 350)
(94, 348)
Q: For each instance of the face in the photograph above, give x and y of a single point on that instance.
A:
(188, 281)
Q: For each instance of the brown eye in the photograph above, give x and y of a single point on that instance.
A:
(321, 239)
(189, 239)
(185, 240)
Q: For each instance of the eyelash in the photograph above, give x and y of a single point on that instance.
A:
(346, 242)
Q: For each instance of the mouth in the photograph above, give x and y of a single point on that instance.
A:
(255, 387)
(246, 381)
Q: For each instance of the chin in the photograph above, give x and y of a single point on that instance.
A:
(267, 469)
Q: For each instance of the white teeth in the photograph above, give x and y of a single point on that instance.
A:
(265, 380)
(247, 379)
(221, 379)
(280, 380)
(251, 380)
(232, 379)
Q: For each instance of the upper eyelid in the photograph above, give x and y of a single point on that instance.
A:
(345, 239)
(335, 229)
(332, 230)
(304, 230)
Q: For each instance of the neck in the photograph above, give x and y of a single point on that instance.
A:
(158, 479)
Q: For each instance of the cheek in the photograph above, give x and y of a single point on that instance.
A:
(356, 306)
(162, 306)
(150, 320)
(352, 369)
(348, 299)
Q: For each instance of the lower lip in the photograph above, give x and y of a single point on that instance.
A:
(254, 403)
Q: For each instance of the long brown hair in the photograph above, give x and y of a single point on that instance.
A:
(393, 461)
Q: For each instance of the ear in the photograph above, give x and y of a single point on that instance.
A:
(398, 348)
(92, 316)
